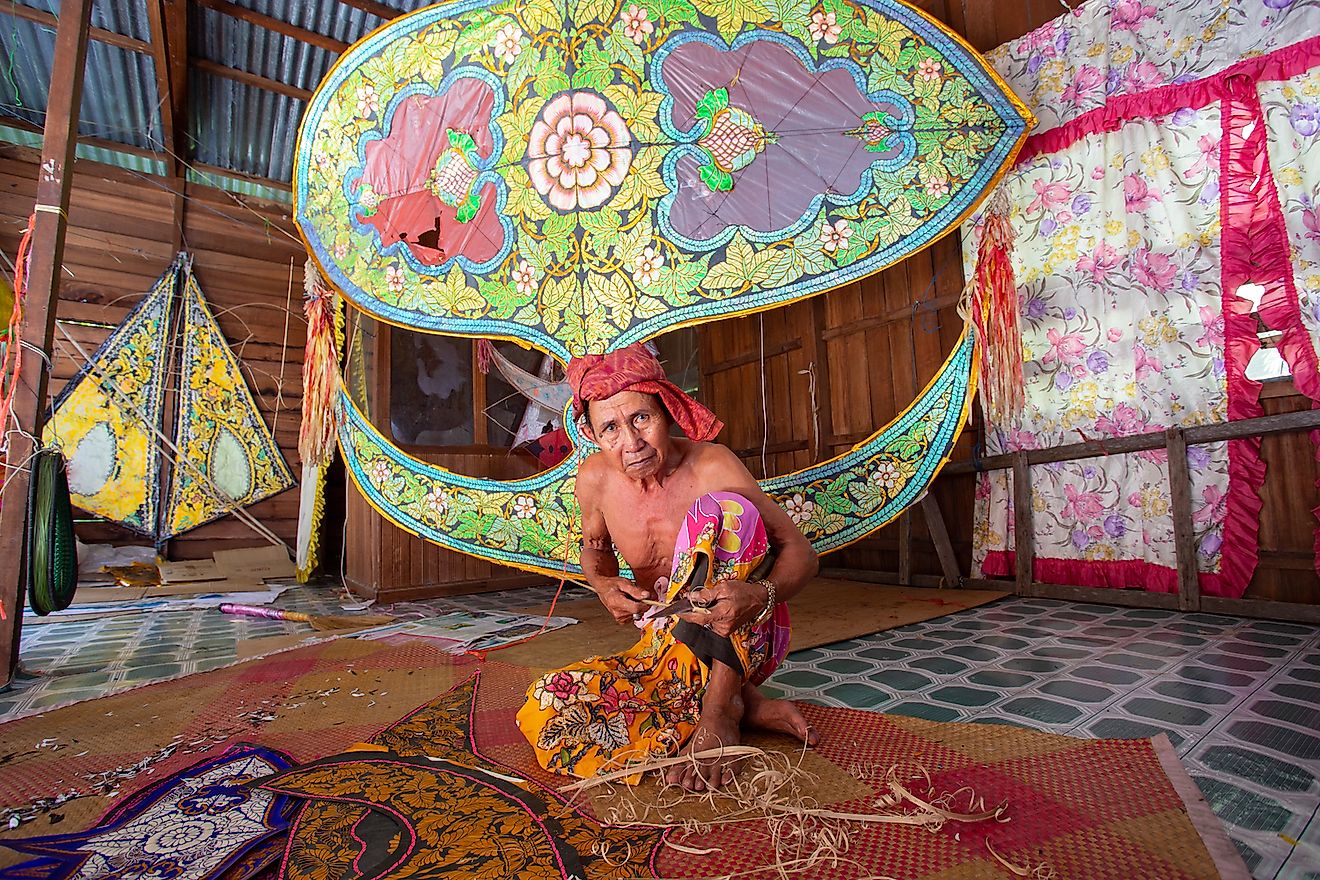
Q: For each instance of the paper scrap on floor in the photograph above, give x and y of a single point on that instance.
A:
(474, 630)
(163, 603)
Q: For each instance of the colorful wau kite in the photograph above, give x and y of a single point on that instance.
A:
(579, 175)
(109, 420)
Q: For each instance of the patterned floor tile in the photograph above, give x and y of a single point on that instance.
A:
(1239, 699)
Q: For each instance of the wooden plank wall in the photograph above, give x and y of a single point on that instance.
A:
(872, 346)
(1286, 571)
(119, 241)
(390, 565)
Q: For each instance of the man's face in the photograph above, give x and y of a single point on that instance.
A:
(633, 430)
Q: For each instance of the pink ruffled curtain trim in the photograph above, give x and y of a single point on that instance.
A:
(1254, 248)
(1279, 65)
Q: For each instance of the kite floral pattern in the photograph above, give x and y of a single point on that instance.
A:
(233, 461)
(486, 168)
(366, 812)
(197, 824)
(535, 523)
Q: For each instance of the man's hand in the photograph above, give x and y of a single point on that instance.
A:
(732, 604)
(622, 598)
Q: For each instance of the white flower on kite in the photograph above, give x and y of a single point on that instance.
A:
(368, 198)
(929, 69)
(394, 278)
(437, 502)
(937, 186)
(887, 476)
(368, 102)
(380, 471)
(799, 509)
(341, 252)
(637, 25)
(578, 151)
(647, 266)
(524, 278)
(824, 26)
(524, 506)
(508, 43)
(835, 238)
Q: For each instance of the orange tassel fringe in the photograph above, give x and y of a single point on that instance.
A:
(994, 301)
(321, 377)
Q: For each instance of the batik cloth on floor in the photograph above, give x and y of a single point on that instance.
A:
(607, 713)
(421, 800)
(203, 823)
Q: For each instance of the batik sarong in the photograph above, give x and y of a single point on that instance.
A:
(608, 713)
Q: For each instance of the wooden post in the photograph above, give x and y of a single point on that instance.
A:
(169, 55)
(939, 535)
(1184, 537)
(1023, 524)
(55, 178)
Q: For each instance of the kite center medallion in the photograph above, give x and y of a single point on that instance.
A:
(579, 151)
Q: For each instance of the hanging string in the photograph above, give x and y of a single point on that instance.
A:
(765, 410)
(11, 368)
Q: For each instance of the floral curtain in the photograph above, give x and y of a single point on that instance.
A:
(1170, 177)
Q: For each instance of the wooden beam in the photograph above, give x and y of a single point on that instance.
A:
(939, 536)
(907, 313)
(1024, 527)
(169, 93)
(1184, 537)
(54, 182)
(17, 10)
(144, 48)
(1301, 420)
(1293, 612)
(250, 79)
(279, 26)
(380, 10)
(203, 168)
(752, 357)
(102, 143)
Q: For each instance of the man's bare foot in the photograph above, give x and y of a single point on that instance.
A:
(718, 728)
(777, 716)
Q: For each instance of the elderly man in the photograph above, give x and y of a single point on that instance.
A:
(713, 562)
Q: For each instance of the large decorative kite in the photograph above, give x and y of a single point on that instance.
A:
(579, 175)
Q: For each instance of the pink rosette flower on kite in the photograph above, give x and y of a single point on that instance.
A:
(579, 150)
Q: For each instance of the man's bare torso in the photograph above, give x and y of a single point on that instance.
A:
(644, 523)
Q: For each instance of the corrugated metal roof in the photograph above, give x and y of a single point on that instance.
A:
(119, 93)
(231, 125)
(127, 17)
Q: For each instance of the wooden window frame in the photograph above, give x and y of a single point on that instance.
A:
(480, 427)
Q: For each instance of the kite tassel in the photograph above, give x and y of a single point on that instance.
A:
(485, 353)
(992, 291)
(321, 376)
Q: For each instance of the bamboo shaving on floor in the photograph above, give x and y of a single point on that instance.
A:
(774, 788)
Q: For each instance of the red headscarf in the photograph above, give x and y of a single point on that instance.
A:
(601, 376)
